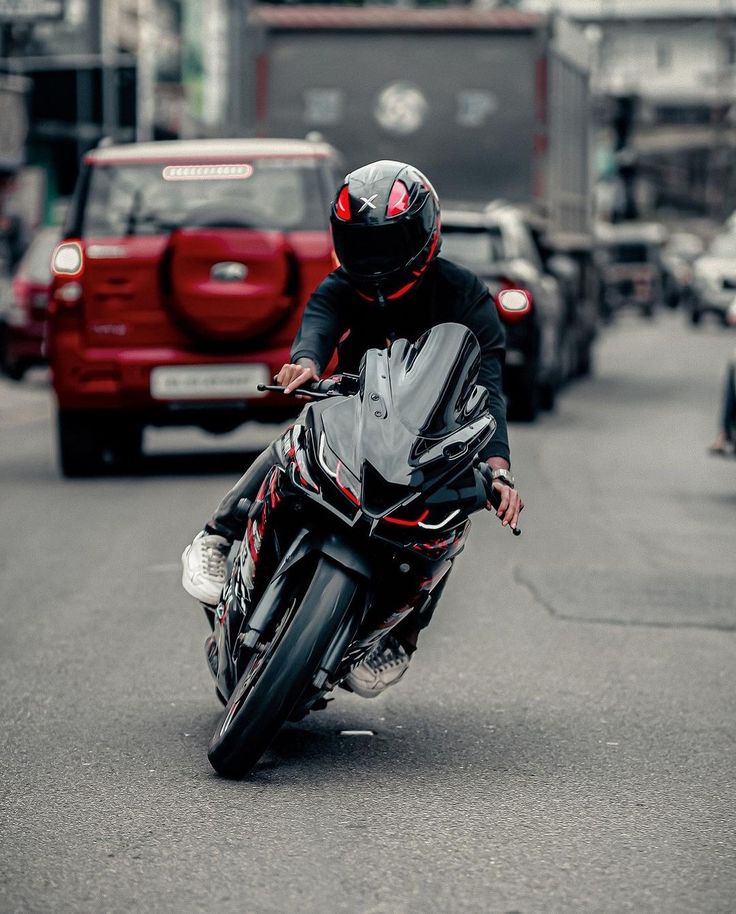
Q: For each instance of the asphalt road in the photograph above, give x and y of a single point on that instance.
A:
(564, 740)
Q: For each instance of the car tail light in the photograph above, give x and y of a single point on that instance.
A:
(69, 293)
(68, 260)
(18, 313)
(67, 266)
(513, 304)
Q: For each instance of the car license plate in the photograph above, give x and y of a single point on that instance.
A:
(208, 382)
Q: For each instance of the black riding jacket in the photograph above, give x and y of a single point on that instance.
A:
(337, 316)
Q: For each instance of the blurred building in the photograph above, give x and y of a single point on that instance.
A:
(666, 78)
(124, 69)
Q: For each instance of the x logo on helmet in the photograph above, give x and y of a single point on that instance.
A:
(368, 201)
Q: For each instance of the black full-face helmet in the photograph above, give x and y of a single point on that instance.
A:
(386, 228)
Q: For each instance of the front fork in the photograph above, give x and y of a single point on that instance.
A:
(238, 596)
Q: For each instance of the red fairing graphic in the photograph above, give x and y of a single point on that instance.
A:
(267, 500)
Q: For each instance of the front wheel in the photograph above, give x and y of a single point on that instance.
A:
(280, 669)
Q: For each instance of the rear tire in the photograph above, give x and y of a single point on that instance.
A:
(585, 361)
(15, 370)
(548, 395)
(91, 442)
(79, 449)
(11, 368)
(524, 396)
(270, 687)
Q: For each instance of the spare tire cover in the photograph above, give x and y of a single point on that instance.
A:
(229, 283)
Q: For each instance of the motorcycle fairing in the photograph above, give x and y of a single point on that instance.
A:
(235, 627)
(419, 409)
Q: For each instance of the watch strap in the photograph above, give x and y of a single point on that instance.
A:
(504, 475)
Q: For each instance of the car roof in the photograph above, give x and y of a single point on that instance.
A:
(493, 214)
(462, 218)
(631, 232)
(207, 150)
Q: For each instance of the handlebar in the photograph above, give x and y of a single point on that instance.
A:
(336, 386)
(345, 384)
(303, 391)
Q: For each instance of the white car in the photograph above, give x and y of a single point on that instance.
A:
(714, 279)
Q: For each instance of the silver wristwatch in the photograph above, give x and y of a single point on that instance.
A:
(504, 475)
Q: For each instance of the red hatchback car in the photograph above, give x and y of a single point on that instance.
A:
(24, 340)
(179, 286)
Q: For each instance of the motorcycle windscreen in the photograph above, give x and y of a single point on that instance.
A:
(417, 401)
(432, 380)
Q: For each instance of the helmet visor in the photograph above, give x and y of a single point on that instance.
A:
(372, 252)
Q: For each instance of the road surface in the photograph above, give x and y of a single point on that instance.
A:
(564, 740)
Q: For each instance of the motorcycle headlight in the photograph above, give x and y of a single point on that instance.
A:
(333, 467)
(295, 453)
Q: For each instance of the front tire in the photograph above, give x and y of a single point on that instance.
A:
(280, 670)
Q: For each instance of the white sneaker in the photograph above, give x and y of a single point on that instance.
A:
(383, 667)
(204, 565)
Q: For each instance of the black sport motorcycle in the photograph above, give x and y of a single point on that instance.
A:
(353, 532)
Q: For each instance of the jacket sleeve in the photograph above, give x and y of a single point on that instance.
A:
(482, 318)
(321, 326)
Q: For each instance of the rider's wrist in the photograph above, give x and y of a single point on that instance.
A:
(306, 362)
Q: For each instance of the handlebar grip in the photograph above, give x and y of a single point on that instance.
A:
(315, 392)
(480, 496)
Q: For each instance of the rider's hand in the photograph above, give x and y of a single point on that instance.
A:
(292, 376)
(511, 504)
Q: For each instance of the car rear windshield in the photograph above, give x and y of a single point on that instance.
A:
(630, 253)
(473, 246)
(723, 246)
(125, 199)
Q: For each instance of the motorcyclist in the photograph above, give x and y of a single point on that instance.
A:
(391, 284)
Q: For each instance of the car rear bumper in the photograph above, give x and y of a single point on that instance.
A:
(111, 379)
(718, 303)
